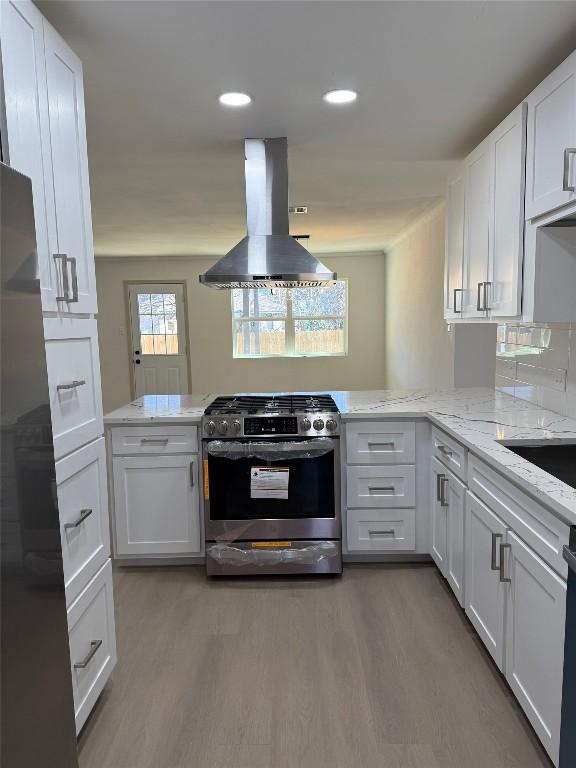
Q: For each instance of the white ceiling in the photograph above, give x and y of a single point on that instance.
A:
(166, 160)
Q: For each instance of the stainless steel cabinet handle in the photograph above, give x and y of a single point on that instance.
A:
(456, 290)
(445, 450)
(65, 284)
(384, 488)
(154, 441)
(84, 514)
(478, 301)
(443, 500)
(94, 645)
(387, 532)
(565, 180)
(192, 474)
(439, 479)
(486, 307)
(503, 548)
(74, 297)
(495, 539)
(374, 445)
(72, 385)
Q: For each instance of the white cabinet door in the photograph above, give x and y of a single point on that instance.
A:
(438, 543)
(156, 505)
(508, 154)
(455, 495)
(26, 136)
(69, 166)
(550, 169)
(454, 255)
(476, 230)
(535, 621)
(485, 593)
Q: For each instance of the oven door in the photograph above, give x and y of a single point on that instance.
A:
(272, 489)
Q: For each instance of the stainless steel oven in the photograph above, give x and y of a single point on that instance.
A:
(272, 495)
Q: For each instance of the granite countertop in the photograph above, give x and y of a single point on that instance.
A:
(479, 418)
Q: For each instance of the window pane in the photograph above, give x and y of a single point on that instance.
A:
(267, 337)
(158, 324)
(144, 303)
(157, 300)
(159, 345)
(146, 324)
(169, 302)
(327, 300)
(171, 345)
(171, 324)
(319, 337)
(259, 302)
(147, 345)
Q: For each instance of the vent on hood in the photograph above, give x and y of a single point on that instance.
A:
(268, 257)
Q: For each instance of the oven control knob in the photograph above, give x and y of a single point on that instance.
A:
(318, 425)
(305, 424)
(331, 425)
(235, 427)
(210, 427)
(222, 427)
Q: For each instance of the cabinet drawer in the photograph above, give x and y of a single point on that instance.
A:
(92, 642)
(83, 506)
(449, 452)
(381, 486)
(380, 442)
(128, 441)
(538, 527)
(74, 382)
(381, 529)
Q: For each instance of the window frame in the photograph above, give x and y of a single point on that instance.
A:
(289, 320)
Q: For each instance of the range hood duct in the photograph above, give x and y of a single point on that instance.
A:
(268, 257)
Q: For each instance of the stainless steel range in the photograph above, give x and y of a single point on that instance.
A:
(272, 484)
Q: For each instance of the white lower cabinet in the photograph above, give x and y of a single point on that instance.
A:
(535, 621)
(92, 642)
(485, 593)
(447, 545)
(438, 527)
(156, 504)
(380, 530)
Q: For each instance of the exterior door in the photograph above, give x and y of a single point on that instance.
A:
(550, 170)
(485, 594)
(158, 339)
(535, 621)
(476, 231)
(69, 168)
(454, 247)
(507, 215)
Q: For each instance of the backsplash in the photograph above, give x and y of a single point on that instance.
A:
(538, 363)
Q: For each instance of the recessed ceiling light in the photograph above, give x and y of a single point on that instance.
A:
(234, 99)
(340, 97)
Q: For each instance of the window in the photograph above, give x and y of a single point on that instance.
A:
(158, 324)
(290, 321)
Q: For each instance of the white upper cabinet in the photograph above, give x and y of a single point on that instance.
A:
(551, 142)
(454, 247)
(476, 232)
(70, 172)
(45, 138)
(26, 138)
(506, 225)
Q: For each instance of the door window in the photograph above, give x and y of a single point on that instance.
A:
(158, 323)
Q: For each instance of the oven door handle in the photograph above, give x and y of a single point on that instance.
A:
(271, 450)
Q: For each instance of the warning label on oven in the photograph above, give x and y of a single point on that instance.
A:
(269, 482)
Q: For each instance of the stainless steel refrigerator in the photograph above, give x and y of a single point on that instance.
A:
(37, 710)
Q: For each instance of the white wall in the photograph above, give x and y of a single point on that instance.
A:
(537, 362)
(210, 331)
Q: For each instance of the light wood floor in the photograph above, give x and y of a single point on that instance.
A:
(379, 669)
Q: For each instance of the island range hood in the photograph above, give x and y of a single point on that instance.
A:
(268, 257)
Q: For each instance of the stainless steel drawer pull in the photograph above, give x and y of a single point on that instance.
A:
(387, 532)
(456, 290)
(72, 385)
(382, 488)
(566, 186)
(65, 285)
(382, 445)
(443, 483)
(503, 548)
(154, 441)
(495, 539)
(439, 479)
(192, 474)
(84, 514)
(445, 450)
(94, 645)
(74, 271)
